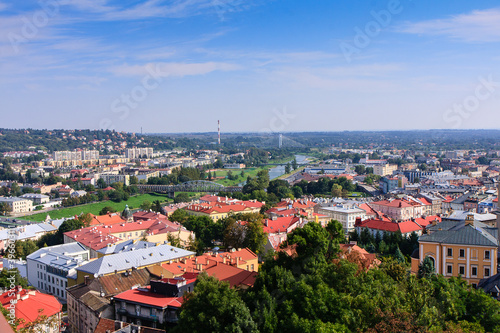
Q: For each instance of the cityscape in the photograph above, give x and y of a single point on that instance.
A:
(262, 166)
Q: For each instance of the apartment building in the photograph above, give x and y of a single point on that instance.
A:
(50, 267)
(135, 153)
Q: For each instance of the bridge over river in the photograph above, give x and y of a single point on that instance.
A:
(191, 186)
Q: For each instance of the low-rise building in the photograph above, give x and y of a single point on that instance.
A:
(345, 214)
(37, 199)
(18, 205)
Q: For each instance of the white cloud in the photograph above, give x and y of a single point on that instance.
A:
(173, 69)
(477, 26)
(3, 6)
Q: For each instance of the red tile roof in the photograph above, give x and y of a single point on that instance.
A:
(149, 298)
(280, 224)
(386, 226)
(30, 303)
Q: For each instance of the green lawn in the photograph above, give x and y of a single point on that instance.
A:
(95, 208)
(248, 172)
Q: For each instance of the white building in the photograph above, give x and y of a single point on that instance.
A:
(344, 213)
(18, 205)
(37, 199)
(135, 153)
(48, 268)
(76, 155)
(112, 178)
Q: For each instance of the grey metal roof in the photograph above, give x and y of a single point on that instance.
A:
(135, 258)
(129, 245)
(26, 231)
(64, 257)
(460, 233)
(460, 215)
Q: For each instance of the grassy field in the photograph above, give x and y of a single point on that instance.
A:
(252, 172)
(94, 208)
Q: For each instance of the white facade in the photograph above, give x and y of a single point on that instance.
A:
(18, 205)
(345, 214)
(48, 268)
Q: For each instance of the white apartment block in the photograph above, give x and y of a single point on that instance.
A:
(48, 268)
(76, 155)
(384, 169)
(18, 205)
(135, 153)
(113, 178)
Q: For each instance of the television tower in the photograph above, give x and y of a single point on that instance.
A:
(218, 124)
(280, 140)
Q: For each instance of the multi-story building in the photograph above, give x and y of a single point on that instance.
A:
(400, 209)
(110, 178)
(468, 249)
(345, 214)
(384, 169)
(50, 267)
(154, 306)
(136, 153)
(37, 199)
(18, 205)
(129, 260)
(90, 301)
(76, 155)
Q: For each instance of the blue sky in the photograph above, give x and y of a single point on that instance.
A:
(258, 66)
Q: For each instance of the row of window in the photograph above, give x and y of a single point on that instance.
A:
(461, 253)
(53, 290)
(473, 270)
(56, 281)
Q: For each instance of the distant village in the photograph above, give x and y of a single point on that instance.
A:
(133, 267)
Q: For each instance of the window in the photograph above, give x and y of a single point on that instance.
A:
(474, 285)
(251, 267)
(487, 255)
(474, 271)
(449, 269)
(138, 309)
(461, 270)
(486, 272)
(450, 252)
(153, 312)
(462, 253)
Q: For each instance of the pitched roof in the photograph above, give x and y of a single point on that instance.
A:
(387, 226)
(234, 275)
(29, 304)
(280, 224)
(465, 234)
(138, 258)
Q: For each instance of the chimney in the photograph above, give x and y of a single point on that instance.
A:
(469, 219)
(237, 261)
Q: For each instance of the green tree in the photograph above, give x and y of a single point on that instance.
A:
(182, 197)
(107, 209)
(146, 205)
(294, 164)
(214, 307)
(179, 215)
(336, 191)
(101, 183)
(426, 268)
(156, 206)
(6, 278)
(133, 180)
(287, 168)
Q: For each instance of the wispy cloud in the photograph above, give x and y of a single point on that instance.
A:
(3, 6)
(476, 26)
(173, 69)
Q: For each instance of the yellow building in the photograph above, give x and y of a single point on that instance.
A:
(466, 248)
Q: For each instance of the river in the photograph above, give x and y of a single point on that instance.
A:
(280, 170)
